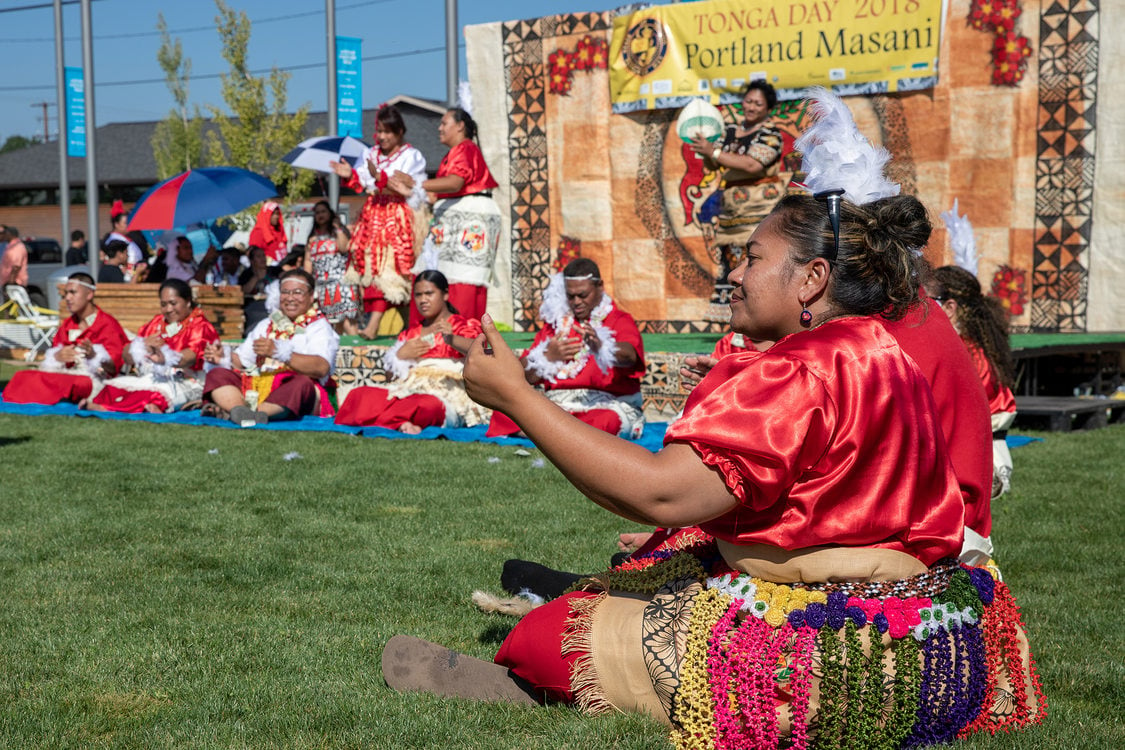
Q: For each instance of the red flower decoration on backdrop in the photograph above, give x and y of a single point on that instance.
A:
(591, 53)
(569, 249)
(1009, 285)
(1010, 51)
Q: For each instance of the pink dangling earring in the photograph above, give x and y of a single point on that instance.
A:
(806, 316)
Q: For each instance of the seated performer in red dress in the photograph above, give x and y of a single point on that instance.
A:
(166, 358)
(279, 371)
(982, 323)
(588, 356)
(829, 605)
(86, 350)
(426, 363)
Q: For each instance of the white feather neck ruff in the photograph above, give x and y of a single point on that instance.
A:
(556, 311)
(837, 156)
(961, 239)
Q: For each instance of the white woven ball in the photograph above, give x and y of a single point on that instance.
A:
(699, 117)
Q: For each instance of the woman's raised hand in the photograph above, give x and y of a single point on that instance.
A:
(401, 183)
(213, 353)
(493, 372)
(694, 370)
(342, 168)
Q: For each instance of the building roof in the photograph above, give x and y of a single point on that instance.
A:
(124, 153)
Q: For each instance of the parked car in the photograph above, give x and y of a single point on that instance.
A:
(44, 257)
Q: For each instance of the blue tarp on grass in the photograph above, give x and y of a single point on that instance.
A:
(653, 438)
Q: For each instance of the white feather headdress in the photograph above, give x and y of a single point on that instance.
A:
(961, 239)
(465, 97)
(837, 156)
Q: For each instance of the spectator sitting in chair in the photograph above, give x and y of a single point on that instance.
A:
(86, 350)
(182, 264)
(228, 270)
(280, 370)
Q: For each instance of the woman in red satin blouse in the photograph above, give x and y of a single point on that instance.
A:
(166, 358)
(820, 471)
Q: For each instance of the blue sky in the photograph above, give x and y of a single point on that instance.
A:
(129, 84)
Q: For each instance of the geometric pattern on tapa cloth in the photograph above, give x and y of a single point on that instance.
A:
(1064, 174)
(660, 387)
(527, 146)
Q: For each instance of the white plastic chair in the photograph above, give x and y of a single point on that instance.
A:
(41, 323)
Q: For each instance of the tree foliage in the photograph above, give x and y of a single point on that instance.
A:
(177, 142)
(16, 142)
(258, 131)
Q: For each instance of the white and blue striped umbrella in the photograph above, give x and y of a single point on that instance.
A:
(316, 153)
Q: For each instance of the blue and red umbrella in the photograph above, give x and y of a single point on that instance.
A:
(200, 195)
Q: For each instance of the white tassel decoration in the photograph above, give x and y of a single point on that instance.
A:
(961, 239)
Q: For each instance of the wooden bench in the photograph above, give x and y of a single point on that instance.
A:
(136, 304)
(1064, 413)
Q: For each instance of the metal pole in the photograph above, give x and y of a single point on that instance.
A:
(333, 115)
(451, 52)
(60, 94)
(92, 202)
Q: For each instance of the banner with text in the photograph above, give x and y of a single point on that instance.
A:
(662, 57)
(75, 112)
(349, 86)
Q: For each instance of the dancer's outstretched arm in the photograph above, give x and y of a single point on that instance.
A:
(670, 488)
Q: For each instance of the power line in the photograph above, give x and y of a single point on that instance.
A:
(190, 30)
(260, 71)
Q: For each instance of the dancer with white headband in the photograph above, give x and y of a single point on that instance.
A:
(86, 351)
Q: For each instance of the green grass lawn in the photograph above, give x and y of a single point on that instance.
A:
(167, 586)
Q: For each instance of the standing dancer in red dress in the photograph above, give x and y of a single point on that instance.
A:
(465, 231)
(382, 245)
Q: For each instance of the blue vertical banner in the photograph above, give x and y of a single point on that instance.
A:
(75, 112)
(349, 86)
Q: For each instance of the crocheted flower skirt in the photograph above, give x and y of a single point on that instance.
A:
(739, 662)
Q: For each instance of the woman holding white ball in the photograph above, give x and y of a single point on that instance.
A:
(749, 154)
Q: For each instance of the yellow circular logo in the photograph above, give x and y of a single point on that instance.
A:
(646, 43)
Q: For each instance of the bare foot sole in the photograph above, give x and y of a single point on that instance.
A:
(631, 542)
(413, 665)
(409, 428)
(153, 409)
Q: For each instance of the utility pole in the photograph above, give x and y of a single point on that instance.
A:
(46, 120)
(60, 94)
(451, 52)
(91, 125)
(333, 114)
